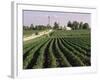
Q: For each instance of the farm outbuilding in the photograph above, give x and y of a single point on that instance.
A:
(68, 28)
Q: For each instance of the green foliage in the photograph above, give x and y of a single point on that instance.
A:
(27, 62)
(32, 27)
(82, 56)
(62, 49)
(69, 24)
(85, 26)
(75, 25)
(56, 25)
(72, 58)
(40, 59)
(53, 62)
(63, 59)
(81, 25)
(36, 33)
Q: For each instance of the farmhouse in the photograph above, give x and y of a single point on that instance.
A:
(68, 28)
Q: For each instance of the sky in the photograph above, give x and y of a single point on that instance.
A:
(41, 17)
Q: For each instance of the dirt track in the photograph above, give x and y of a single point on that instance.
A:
(33, 36)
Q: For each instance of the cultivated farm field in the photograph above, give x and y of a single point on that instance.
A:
(61, 48)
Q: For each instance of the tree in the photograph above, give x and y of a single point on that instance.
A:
(75, 25)
(85, 26)
(69, 24)
(32, 27)
(48, 26)
(56, 25)
(41, 27)
(81, 25)
(26, 27)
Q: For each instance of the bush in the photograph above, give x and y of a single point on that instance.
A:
(36, 33)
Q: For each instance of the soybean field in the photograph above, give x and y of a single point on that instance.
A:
(60, 48)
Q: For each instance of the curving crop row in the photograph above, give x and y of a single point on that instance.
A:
(30, 59)
(59, 50)
(84, 58)
(53, 62)
(29, 43)
(30, 46)
(76, 46)
(41, 58)
(85, 48)
(62, 59)
(72, 58)
(56, 54)
(80, 42)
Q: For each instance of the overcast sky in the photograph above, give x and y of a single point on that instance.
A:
(41, 17)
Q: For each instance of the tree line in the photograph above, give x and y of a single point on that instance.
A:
(75, 25)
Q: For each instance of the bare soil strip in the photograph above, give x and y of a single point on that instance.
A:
(33, 36)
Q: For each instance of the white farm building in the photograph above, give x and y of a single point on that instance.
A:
(68, 28)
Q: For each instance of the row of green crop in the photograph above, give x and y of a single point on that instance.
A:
(72, 58)
(82, 56)
(30, 58)
(53, 62)
(85, 42)
(64, 60)
(80, 46)
(40, 58)
(27, 45)
(30, 46)
(57, 52)
(72, 33)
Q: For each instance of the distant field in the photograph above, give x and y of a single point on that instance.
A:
(60, 49)
(71, 33)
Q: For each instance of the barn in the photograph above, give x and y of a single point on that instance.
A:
(68, 28)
